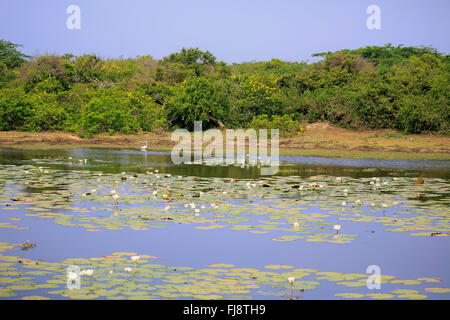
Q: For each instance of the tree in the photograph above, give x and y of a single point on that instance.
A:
(9, 56)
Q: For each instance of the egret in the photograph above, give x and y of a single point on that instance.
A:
(144, 148)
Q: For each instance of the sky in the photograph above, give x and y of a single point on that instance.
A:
(233, 30)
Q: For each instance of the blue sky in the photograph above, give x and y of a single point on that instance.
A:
(233, 30)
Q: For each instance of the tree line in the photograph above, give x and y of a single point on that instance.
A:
(404, 88)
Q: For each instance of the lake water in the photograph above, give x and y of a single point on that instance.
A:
(221, 232)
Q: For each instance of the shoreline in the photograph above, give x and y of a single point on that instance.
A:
(319, 140)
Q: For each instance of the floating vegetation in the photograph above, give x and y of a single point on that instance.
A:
(286, 211)
(152, 200)
(108, 277)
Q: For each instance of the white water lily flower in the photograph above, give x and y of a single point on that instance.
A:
(128, 269)
(167, 208)
(156, 171)
(338, 178)
(135, 258)
(186, 205)
(72, 276)
(155, 193)
(89, 272)
(93, 190)
(197, 210)
(202, 207)
(384, 205)
(296, 224)
(113, 191)
(291, 280)
(358, 202)
(372, 204)
(337, 227)
(111, 272)
(344, 203)
(82, 272)
(395, 203)
(345, 192)
(115, 196)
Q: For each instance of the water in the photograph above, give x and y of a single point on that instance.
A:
(263, 231)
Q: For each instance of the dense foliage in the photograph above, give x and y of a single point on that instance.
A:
(406, 88)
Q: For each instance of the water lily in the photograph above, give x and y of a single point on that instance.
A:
(337, 227)
(296, 225)
(115, 197)
(71, 276)
(135, 259)
(167, 208)
(344, 203)
(127, 269)
(155, 193)
(291, 281)
(345, 192)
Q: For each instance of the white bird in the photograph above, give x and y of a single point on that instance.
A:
(144, 148)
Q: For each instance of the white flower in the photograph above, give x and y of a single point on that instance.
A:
(345, 192)
(344, 203)
(82, 272)
(296, 225)
(372, 204)
(337, 227)
(186, 205)
(197, 210)
(128, 269)
(202, 207)
(358, 202)
(338, 178)
(115, 196)
(155, 193)
(93, 190)
(135, 258)
(291, 280)
(395, 203)
(384, 205)
(89, 272)
(111, 272)
(72, 276)
(113, 191)
(167, 208)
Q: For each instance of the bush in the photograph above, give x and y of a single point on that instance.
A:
(285, 124)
